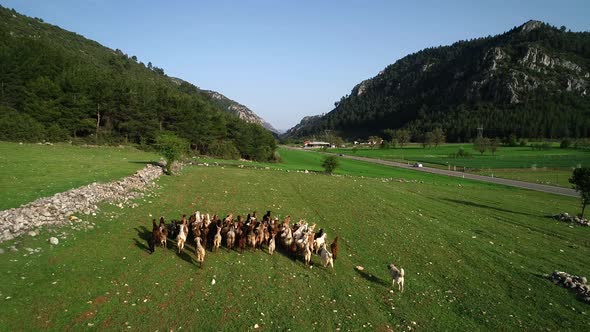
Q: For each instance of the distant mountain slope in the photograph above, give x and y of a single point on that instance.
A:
(57, 85)
(532, 81)
(232, 107)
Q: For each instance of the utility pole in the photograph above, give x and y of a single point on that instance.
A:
(480, 131)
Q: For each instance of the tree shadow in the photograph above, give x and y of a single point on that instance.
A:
(153, 163)
(457, 201)
(371, 278)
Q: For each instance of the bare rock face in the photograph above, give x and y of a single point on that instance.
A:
(57, 209)
(530, 26)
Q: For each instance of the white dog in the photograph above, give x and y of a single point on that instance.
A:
(397, 275)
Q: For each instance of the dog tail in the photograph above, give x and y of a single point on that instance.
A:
(401, 272)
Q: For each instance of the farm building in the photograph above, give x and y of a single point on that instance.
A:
(310, 144)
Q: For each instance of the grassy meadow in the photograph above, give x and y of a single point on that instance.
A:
(474, 255)
(31, 171)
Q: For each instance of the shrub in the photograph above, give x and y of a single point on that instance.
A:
(541, 146)
(15, 126)
(582, 144)
(330, 163)
(224, 149)
(461, 153)
(56, 133)
(510, 141)
(565, 144)
(171, 147)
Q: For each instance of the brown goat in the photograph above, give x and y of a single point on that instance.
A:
(334, 248)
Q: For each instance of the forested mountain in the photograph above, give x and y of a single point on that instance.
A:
(532, 81)
(57, 85)
(232, 106)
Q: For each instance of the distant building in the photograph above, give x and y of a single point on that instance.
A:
(310, 144)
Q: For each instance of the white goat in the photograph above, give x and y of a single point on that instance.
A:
(326, 257)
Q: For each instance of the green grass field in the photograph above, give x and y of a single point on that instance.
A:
(31, 171)
(505, 157)
(550, 176)
(473, 255)
(552, 167)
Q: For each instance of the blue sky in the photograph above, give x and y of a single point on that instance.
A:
(288, 59)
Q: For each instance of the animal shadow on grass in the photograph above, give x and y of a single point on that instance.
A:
(458, 201)
(185, 256)
(145, 235)
(371, 278)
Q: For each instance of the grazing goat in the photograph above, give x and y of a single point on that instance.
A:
(397, 276)
(326, 257)
(181, 238)
(334, 248)
(200, 252)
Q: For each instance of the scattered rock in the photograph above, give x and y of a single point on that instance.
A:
(32, 233)
(577, 283)
(565, 217)
(53, 240)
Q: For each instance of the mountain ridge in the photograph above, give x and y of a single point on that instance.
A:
(489, 80)
(231, 106)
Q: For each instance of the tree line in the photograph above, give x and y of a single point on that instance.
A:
(57, 86)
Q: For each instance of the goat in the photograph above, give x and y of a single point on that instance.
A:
(271, 245)
(163, 233)
(252, 237)
(334, 248)
(326, 257)
(154, 238)
(307, 254)
(200, 252)
(173, 229)
(242, 240)
(181, 238)
(319, 242)
(217, 239)
(231, 237)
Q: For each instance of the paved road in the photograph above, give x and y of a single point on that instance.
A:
(506, 182)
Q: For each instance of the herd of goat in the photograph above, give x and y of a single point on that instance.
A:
(297, 239)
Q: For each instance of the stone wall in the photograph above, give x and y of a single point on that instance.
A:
(56, 210)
